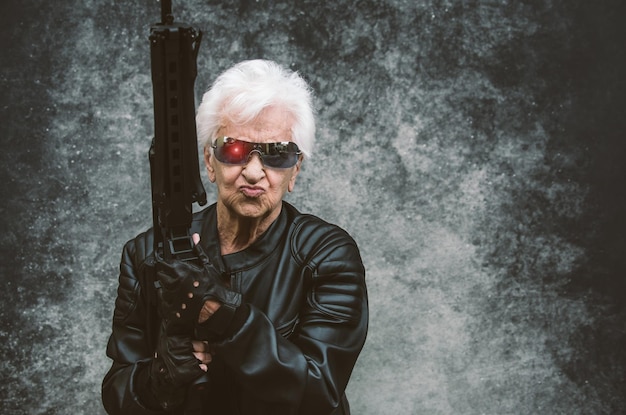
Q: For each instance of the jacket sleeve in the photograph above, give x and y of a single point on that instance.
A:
(128, 345)
(307, 373)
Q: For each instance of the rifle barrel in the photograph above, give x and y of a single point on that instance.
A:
(166, 12)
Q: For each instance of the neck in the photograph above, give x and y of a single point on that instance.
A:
(236, 233)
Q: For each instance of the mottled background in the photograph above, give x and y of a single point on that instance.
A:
(475, 150)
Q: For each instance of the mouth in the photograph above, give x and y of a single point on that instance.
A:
(251, 191)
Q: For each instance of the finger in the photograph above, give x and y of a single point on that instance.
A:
(208, 309)
(197, 248)
(204, 367)
(199, 346)
(205, 358)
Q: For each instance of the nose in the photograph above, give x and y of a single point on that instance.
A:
(254, 170)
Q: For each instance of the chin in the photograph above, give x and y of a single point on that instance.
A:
(251, 210)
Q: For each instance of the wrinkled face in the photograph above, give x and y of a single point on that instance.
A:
(254, 190)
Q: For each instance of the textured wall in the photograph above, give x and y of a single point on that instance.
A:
(473, 148)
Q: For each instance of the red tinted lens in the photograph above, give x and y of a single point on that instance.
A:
(231, 151)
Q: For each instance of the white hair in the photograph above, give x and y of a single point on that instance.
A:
(240, 94)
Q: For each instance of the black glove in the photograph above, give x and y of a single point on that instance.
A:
(185, 286)
(172, 370)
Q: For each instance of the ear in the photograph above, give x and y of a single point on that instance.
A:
(208, 162)
(292, 180)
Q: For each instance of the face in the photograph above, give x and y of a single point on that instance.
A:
(253, 191)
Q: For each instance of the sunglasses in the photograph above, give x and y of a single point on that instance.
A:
(280, 155)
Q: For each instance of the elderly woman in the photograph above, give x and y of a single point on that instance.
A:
(279, 306)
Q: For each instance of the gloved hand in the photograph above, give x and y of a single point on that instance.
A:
(172, 370)
(185, 286)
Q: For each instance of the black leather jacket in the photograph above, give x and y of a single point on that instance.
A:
(304, 283)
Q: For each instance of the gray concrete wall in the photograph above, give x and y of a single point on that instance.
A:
(474, 149)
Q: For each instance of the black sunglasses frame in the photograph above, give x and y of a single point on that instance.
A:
(277, 155)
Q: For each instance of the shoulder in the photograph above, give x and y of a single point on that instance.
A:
(313, 239)
(139, 249)
(136, 258)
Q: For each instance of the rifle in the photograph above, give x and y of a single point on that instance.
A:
(173, 155)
